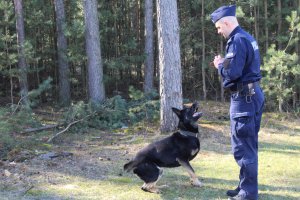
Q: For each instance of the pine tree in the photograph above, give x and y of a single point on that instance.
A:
(169, 63)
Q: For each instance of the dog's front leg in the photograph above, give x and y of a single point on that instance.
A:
(186, 165)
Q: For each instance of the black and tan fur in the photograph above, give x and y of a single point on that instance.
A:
(173, 151)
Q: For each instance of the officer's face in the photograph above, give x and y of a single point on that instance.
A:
(222, 28)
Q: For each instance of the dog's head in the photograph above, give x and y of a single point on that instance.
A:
(188, 117)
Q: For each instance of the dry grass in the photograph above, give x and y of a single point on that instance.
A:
(95, 169)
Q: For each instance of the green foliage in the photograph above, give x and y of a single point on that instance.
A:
(114, 112)
(279, 67)
(122, 42)
(294, 21)
(11, 123)
(110, 114)
(34, 94)
(8, 47)
(143, 106)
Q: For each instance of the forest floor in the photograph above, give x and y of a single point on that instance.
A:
(89, 166)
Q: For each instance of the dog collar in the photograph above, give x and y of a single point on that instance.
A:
(188, 133)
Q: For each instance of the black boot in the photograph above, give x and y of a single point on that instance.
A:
(232, 193)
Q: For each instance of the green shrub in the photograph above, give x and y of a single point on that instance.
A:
(12, 123)
(114, 112)
(143, 106)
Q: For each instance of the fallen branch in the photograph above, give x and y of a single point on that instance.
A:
(72, 123)
(29, 130)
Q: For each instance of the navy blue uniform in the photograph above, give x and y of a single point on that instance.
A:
(239, 70)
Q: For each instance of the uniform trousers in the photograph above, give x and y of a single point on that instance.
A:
(245, 118)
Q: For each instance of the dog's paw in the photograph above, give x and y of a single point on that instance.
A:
(151, 190)
(196, 183)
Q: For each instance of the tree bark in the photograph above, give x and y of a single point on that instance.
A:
(21, 52)
(63, 66)
(296, 92)
(279, 22)
(266, 26)
(93, 51)
(220, 78)
(256, 17)
(169, 63)
(203, 53)
(149, 51)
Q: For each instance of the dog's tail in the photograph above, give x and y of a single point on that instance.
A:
(130, 165)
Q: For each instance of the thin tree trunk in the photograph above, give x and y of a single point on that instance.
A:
(149, 51)
(280, 100)
(297, 88)
(255, 7)
(63, 66)
(21, 52)
(139, 40)
(7, 44)
(279, 22)
(203, 53)
(266, 25)
(93, 51)
(169, 63)
(221, 81)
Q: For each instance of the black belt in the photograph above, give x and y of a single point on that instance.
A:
(246, 89)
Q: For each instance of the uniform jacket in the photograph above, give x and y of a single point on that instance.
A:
(242, 60)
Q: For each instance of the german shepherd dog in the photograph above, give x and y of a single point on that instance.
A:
(173, 151)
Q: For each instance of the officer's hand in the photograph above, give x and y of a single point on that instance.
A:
(218, 59)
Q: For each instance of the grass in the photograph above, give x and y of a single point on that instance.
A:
(86, 177)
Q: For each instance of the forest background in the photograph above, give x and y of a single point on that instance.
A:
(49, 68)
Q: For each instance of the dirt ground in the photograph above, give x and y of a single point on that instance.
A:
(91, 156)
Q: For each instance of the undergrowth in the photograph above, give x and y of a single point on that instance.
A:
(10, 124)
(113, 113)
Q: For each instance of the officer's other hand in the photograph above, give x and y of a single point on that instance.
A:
(218, 59)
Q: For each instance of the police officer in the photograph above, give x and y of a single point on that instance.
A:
(240, 70)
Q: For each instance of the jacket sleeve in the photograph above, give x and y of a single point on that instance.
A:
(236, 54)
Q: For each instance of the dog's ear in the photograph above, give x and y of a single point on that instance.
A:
(176, 111)
(195, 105)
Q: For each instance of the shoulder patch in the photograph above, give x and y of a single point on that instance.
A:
(254, 45)
(231, 50)
(229, 55)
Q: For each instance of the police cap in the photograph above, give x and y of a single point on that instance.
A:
(223, 11)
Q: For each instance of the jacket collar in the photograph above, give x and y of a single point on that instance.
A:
(236, 30)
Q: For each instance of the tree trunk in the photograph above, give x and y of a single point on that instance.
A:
(149, 62)
(280, 100)
(266, 25)
(203, 53)
(296, 93)
(256, 17)
(221, 81)
(93, 51)
(279, 22)
(21, 52)
(169, 63)
(279, 29)
(63, 66)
